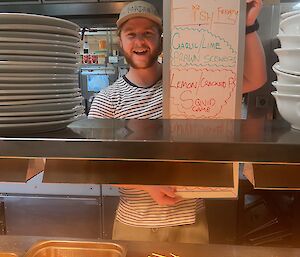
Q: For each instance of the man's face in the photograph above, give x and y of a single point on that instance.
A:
(140, 42)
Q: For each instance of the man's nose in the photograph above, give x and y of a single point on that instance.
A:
(140, 37)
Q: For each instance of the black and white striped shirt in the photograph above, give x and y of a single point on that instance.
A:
(125, 100)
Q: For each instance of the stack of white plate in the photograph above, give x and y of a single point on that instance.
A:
(39, 89)
(288, 69)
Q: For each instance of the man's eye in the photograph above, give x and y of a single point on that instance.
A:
(131, 35)
(148, 34)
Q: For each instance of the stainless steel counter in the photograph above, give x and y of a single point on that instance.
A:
(20, 244)
(174, 140)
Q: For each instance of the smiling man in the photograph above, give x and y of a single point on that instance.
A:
(155, 213)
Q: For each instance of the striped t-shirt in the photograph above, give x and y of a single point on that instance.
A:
(125, 100)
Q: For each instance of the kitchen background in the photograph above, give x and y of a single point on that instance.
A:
(53, 209)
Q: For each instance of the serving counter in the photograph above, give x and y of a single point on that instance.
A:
(170, 152)
(19, 245)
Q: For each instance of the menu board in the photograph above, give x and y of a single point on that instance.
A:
(203, 58)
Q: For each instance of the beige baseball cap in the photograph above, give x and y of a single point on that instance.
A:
(139, 9)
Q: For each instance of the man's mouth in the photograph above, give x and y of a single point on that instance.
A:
(140, 52)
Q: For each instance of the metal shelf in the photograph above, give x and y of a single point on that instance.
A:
(154, 151)
(181, 140)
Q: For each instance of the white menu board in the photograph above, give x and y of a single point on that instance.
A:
(203, 58)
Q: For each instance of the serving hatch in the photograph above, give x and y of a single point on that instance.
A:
(75, 249)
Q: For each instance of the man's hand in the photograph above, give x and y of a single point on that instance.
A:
(163, 195)
(253, 9)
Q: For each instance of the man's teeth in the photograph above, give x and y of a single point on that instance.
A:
(140, 52)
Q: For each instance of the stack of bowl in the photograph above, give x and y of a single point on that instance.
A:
(39, 89)
(288, 69)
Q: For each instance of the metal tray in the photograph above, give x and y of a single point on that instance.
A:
(8, 255)
(75, 249)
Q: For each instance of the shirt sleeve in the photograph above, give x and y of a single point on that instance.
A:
(102, 106)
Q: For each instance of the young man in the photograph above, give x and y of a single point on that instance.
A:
(155, 213)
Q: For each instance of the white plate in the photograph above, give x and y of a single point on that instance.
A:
(277, 67)
(16, 120)
(38, 75)
(5, 98)
(28, 64)
(76, 109)
(40, 36)
(38, 91)
(40, 87)
(28, 58)
(39, 47)
(37, 127)
(42, 80)
(38, 53)
(7, 18)
(37, 41)
(49, 69)
(38, 107)
(39, 28)
(42, 101)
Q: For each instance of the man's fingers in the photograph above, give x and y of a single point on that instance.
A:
(169, 191)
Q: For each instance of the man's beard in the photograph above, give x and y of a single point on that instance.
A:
(151, 61)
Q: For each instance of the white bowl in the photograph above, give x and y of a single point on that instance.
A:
(291, 25)
(289, 108)
(289, 14)
(289, 58)
(292, 89)
(289, 41)
(284, 77)
(277, 67)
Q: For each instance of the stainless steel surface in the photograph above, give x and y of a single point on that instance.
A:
(176, 140)
(35, 186)
(84, 14)
(17, 170)
(5, 2)
(139, 172)
(55, 248)
(100, 13)
(109, 207)
(67, 9)
(19, 245)
(2, 218)
(53, 216)
(67, 1)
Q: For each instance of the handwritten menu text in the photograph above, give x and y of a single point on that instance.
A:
(203, 59)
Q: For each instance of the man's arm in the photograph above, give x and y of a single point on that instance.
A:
(255, 75)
